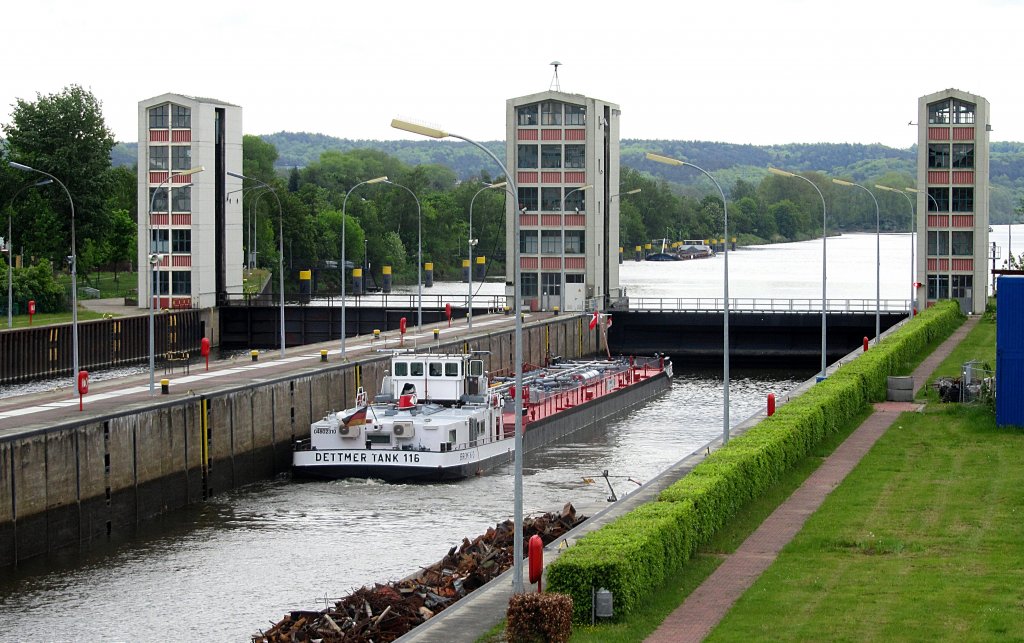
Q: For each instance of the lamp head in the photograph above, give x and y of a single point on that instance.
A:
(237, 175)
(775, 170)
(498, 185)
(416, 128)
(379, 179)
(886, 188)
(842, 182)
(635, 191)
(19, 166)
(662, 159)
(914, 190)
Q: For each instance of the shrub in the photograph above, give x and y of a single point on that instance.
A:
(539, 618)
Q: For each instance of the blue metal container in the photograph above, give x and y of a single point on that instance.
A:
(1010, 351)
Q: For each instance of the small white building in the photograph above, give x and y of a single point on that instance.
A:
(190, 225)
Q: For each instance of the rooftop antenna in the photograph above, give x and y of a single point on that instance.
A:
(555, 85)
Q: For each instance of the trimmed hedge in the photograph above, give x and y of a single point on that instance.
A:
(634, 554)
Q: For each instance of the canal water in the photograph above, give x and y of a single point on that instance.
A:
(221, 570)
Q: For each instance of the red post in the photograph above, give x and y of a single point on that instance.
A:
(771, 404)
(401, 330)
(204, 350)
(83, 386)
(865, 344)
(448, 314)
(31, 310)
(536, 556)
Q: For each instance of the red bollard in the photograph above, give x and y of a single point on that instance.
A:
(204, 350)
(771, 404)
(536, 556)
(865, 344)
(83, 386)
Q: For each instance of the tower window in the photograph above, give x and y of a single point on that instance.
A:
(575, 115)
(181, 157)
(938, 156)
(181, 116)
(938, 199)
(550, 242)
(527, 115)
(550, 113)
(158, 117)
(528, 198)
(963, 155)
(551, 156)
(181, 199)
(526, 156)
(963, 199)
(551, 199)
(963, 113)
(158, 157)
(181, 282)
(575, 156)
(938, 113)
(528, 242)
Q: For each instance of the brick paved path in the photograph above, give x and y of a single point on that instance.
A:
(705, 607)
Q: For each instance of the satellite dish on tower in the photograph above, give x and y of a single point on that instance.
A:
(554, 79)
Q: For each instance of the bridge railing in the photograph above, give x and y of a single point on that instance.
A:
(759, 304)
(373, 300)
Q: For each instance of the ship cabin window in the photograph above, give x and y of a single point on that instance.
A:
(451, 369)
(401, 369)
(451, 436)
(476, 367)
(436, 369)
(416, 369)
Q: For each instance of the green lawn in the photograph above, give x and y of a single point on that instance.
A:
(922, 541)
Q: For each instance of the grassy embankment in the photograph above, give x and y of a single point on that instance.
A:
(921, 541)
(672, 593)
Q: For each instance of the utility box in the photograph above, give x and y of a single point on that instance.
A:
(1010, 351)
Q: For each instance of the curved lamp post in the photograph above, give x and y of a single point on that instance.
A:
(344, 204)
(725, 321)
(419, 254)
(280, 245)
(517, 548)
(824, 236)
(155, 259)
(913, 291)
(561, 263)
(470, 244)
(878, 258)
(74, 265)
(936, 204)
(10, 248)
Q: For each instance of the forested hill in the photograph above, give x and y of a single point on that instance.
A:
(729, 161)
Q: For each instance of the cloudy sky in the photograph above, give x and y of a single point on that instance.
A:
(739, 71)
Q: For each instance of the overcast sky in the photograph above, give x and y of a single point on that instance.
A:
(739, 71)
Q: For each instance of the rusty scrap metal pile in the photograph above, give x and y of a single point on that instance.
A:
(385, 612)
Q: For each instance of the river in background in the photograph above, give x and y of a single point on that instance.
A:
(221, 570)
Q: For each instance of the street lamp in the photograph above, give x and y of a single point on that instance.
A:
(280, 245)
(344, 204)
(633, 191)
(950, 241)
(419, 253)
(155, 259)
(517, 546)
(10, 248)
(561, 263)
(878, 258)
(725, 321)
(74, 265)
(470, 244)
(913, 291)
(824, 236)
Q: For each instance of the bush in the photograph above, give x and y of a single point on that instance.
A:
(634, 554)
(539, 618)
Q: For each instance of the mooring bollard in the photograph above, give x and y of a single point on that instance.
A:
(376, 334)
(255, 355)
(323, 354)
(165, 386)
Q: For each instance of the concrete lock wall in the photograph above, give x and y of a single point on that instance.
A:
(95, 478)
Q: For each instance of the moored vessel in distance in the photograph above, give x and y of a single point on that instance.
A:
(681, 250)
(440, 417)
